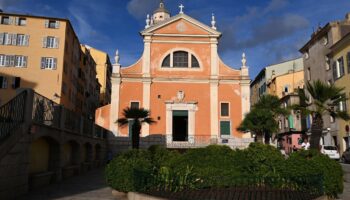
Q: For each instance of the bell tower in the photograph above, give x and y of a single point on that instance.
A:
(160, 14)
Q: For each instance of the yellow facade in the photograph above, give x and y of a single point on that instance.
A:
(104, 72)
(285, 84)
(51, 55)
(341, 50)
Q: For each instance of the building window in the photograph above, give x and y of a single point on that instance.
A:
(348, 59)
(328, 63)
(195, 63)
(16, 82)
(180, 59)
(3, 82)
(225, 128)
(5, 20)
(225, 110)
(50, 42)
(338, 68)
(52, 24)
(14, 39)
(48, 63)
(134, 105)
(166, 61)
(342, 106)
(2, 60)
(20, 61)
(22, 21)
(308, 74)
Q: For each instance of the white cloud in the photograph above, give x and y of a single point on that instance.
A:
(140, 8)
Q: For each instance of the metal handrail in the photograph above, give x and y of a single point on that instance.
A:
(12, 114)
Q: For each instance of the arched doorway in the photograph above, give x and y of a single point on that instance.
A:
(44, 161)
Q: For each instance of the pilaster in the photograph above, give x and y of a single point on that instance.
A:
(146, 57)
(214, 125)
(146, 84)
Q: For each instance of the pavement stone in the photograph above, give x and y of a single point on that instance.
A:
(89, 186)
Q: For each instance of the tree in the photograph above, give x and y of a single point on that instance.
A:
(323, 99)
(262, 118)
(137, 116)
(261, 122)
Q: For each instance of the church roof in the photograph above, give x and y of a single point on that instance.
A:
(161, 8)
(177, 17)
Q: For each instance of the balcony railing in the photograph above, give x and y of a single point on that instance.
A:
(12, 115)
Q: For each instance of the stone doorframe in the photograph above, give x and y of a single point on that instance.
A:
(191, 107)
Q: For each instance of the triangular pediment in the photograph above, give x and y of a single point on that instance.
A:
(181, 24)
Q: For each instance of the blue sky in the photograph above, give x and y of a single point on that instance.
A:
(269, 31)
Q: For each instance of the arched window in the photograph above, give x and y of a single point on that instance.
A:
(195, 63)
(166, 61)
(180, 59)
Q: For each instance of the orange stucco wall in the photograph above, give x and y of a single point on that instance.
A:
(230, 93)
(193, 92)
(129, 91)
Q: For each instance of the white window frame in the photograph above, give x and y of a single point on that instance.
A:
(172, 68)
(2, 60)
(50, 63)
(221, 102)
(21, 40)
(135, 101)
(20, 61)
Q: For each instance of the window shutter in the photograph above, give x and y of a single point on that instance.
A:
(57, 24)
(44, 42)
(335, 71)
(2, 35)
(54, 63)
(26, 40)
(16, 82)
(43, 62)
(7, 61)
(8, 39)
(11, 20)
(25, 58)
(46, 23)
(291, 121)
(56, 43)
(17, 21)
(1, 82)
(4, 82)
(225, 128)
(14, 39)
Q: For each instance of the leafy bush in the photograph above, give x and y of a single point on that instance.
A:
(259, 160)
(120, 172)
(314, 164)
(220, 166)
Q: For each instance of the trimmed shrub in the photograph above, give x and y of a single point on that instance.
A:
(314, 164)
(120, 172)
(259, 160)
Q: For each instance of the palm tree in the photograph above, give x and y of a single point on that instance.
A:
(324, 100)
(262, 118)
(261, 122)
(137, 116)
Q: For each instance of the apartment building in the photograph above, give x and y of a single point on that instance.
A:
(104, 73)
(259, 86)
(317, 65)
(340, 62)
(285, 84)
(42, 53)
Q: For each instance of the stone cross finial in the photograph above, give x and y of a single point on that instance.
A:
(117, 56)
(147, 21)
(213, 22)
(181, 8)
(244, 60)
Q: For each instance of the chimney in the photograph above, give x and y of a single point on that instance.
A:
(347, 17)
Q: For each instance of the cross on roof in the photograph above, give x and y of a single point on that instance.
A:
(181, 8)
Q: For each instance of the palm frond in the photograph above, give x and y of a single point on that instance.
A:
(122, 122)
(148, 120)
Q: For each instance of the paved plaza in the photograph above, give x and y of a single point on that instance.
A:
(90, 186)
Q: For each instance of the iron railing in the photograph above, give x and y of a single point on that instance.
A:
(12, 115)
(46, 111)
(228, 188)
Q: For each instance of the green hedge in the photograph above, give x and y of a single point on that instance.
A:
(220, 166)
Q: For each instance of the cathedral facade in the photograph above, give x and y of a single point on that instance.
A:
(191, 94)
